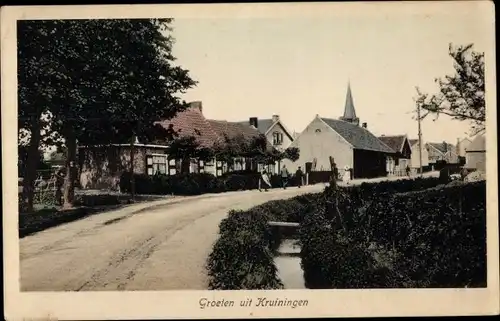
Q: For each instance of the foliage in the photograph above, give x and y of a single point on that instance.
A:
(242, 257)
(462, 95)
(22, 152)
(194, 183)
(401, 234)
(292, 153)
(400, 237)
(255, 148)
(36, 221)
(122, 68)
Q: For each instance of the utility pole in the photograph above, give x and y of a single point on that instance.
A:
(419, 138)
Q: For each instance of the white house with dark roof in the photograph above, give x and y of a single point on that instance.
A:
(442, 152)
(475, 155)
(462, 146)
(397, 163)
(274, 129)
(416, 159)
(343, 139)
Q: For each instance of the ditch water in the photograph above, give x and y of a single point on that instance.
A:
(288, 264)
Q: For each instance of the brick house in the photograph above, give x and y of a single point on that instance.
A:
(102, 166)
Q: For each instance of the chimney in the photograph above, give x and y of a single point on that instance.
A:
(254, 122)
(276, 118)
(364, 125)
(197, 105)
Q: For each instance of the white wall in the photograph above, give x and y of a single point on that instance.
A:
(476, 160)
(462, 147)
(286, 139)
(320, 145)
(415, 156)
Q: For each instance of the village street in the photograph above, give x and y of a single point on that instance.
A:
(162, 245)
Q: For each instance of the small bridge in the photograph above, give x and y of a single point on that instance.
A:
(283, 224)
(286, 230)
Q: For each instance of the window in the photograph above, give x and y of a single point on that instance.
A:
(318, 131)
(157, 164)
(277, 138)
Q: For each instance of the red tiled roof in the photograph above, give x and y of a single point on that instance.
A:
(233, 130)
(394, 142)
(191, 122)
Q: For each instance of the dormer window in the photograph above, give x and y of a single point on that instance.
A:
(277, 138)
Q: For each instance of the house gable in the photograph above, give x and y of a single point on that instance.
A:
(317, 142)
(280, 124)
(400, 144)
(406, 149)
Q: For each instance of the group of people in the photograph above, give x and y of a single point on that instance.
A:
(265, 181)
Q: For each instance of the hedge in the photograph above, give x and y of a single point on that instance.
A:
(242, 257)
(399, 236)
(195, 183)
(85, 205)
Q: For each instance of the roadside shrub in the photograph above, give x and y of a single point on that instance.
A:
(435, 237)
(194, 183)
(243, 256)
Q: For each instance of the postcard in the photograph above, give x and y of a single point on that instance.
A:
(293, 160)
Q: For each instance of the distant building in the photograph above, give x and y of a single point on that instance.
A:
(475, 157)
(348, 143)
(397, 163)
(442, 153)
(415, 154)
(462, 145)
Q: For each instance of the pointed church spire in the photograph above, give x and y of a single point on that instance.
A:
(349, 111)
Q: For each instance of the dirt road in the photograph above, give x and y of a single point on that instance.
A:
(158, 248)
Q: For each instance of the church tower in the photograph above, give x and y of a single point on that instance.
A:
(349, 112)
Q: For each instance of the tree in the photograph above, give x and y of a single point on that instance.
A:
(103, 81)
(292, 153)
(460, 96)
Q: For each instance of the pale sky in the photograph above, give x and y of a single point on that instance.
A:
(298, 68)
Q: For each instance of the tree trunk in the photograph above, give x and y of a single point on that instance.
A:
(69, 179)
(32, 159)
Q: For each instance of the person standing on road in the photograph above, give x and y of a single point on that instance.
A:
(59, 182)
(347, 175)
(264, 181)
(284, 176)
(299, 176)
